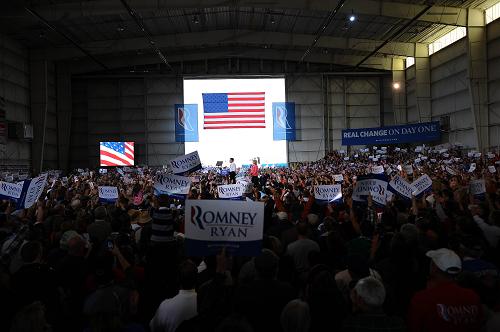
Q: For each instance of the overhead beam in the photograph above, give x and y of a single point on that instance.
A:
(437, 14)
(85, 66)
(229, 37)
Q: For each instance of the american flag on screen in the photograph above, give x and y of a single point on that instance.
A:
(234, 110)
(117, 153)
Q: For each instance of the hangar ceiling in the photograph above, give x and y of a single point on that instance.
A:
(99, 35)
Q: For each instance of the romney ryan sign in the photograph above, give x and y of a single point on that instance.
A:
(418, 132)
(212, 225)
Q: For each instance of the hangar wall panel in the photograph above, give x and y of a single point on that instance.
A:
(357, 102)
(14, 91)
(493, 36)
(450, 93)
(138, 110)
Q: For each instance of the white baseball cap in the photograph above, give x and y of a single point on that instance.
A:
(446, 260)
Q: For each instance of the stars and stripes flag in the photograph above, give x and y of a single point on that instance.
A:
(117, 153)
(232, 110)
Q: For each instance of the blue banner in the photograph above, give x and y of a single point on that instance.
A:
(186, 122)
(284, 121)
(411, 133)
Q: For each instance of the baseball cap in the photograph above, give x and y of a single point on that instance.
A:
(446, 260)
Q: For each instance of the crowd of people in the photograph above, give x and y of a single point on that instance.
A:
(430, 263)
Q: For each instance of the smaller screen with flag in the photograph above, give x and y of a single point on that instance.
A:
(284, 121)
(234, 110)
(117, 153)
(186, 122)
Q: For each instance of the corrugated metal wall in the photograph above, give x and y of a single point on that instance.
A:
(493, 35)
(50, 155)
(308, 94)
(14, 88)
(141, 110)
(450, 93)
(357, 102)
(138, 110)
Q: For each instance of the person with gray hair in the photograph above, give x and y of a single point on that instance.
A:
(295, 316)
(368, 297)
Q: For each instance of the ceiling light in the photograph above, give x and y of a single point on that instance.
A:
(396, 85)
(120, 29)
(352, 17)
(273, 20)
(196, 20)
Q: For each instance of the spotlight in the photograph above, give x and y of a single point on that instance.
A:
(120, 29)
(396, 85)
(352, 17)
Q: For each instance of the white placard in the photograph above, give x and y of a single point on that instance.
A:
(187, 163)
(108, 194)
(477, 187)
(450, 170)
(402, 187)
(377, 169)
(328, 193)
(492, 169)
(422, 184)
(11, 190)
(472, 167)
(103, 171)
(35, 190)
(227, 191)
(338, 178)
(215, 224)
(247, 186)
(375, 187)
(169, 184)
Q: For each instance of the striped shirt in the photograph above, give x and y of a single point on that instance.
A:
(163, 225)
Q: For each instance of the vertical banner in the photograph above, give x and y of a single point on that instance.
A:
(215, 224)
(186, 122)
(284, 121)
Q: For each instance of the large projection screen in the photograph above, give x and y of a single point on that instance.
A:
(243, 144)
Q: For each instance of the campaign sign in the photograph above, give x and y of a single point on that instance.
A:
(187, 163)
(230, 191)
(247, 186)
(328, 193)
(172, 185)
(186, 122)
(403, 188)
(378, 169)
(372, 185)
(477, 187)
(108, 194)
(422, 184)
(418, 132)
(103, 171)
(32, 190)
(11, 191)
(214, 224)
(338, 178)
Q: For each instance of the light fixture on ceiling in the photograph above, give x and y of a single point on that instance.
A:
(396, 85)
(352, 17)
(120, 29)
(196, 20)
(273, 21)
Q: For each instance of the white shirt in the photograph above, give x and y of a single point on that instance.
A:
(232, 167)
(172, 312)
(491, 232)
